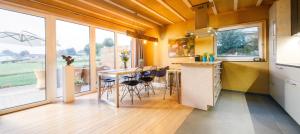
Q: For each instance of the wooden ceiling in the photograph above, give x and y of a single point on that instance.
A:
(138, 14)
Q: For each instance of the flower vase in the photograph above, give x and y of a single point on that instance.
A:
(125, 65)
(204, 59)
(211, 59)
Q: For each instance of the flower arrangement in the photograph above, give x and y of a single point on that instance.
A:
(211, 57)
(125, 57)
(204, 58)
(69, 60)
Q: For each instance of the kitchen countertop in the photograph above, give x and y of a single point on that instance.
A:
(198, 63)
(296, 65)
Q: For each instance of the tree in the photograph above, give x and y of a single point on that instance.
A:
(24, 53)
(230, 41)
(86, 49)
(8, 53)
(108, 42)
(98, 48)
(71, 51)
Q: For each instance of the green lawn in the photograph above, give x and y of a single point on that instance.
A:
(22, 73)
(17, 80)
(18, 74)
(20, 67)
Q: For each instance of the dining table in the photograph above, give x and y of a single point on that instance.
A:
(116, 73)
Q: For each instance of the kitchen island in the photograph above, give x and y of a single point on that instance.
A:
(201, 83)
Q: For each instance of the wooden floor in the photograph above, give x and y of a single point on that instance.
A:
(85, 115)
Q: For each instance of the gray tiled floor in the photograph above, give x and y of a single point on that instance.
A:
(238, 113)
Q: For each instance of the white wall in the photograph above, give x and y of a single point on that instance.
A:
(288, 46)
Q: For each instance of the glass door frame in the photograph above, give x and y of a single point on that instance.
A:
(91, 39)
(49, 47)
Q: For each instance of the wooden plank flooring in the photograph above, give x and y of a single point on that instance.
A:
(85, 115)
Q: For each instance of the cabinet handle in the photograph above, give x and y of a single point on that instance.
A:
(280, 68)
(294, 84)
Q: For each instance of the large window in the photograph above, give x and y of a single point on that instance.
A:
(105, 48)
(124, 42)
(73, 40)
(240, 42)
(22, 59)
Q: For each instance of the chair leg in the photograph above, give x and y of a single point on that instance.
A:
(107, 94)
(137, 93)
(151, 87)
(131, 94)
(147, 89)
(124, 94)
(165, 93)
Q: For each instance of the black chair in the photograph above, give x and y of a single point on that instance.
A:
(109, 82)
(161, 74)
(130, 85)
(146, 79)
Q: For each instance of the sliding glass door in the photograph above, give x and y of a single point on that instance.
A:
(22, 59)
(105, 49)
(73, 40)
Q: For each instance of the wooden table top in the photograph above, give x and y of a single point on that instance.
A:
(124, 71)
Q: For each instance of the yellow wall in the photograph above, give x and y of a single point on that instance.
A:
(238, 76)
(204, 45)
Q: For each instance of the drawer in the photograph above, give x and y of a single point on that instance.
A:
(292, 99)
(293, 73)
(217, 85)
(217, 92)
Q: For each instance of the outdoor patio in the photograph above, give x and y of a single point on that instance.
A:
(16, 96)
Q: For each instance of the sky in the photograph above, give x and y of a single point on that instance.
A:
(17, 22)
(68, 35)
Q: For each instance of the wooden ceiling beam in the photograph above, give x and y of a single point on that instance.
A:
(146, 18)
(38, 6)
(259, 2)
(141, 36)
(98, 6)
(214, 8)
(151, 11)
(100, 15)
(133, 12)
(187, 3)
(235, 5)
(171, 9)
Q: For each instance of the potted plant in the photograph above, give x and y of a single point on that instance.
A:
(68, 80)
(211, 57)
(125, 57)
(204, 58)
(78, 85)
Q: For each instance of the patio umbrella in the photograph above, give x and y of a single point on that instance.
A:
(24, 38)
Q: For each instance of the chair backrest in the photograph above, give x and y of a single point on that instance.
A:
(137, 73)
(153, 71)
(104, 68)
(162, 72)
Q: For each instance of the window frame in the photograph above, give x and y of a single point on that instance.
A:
(243, 58)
